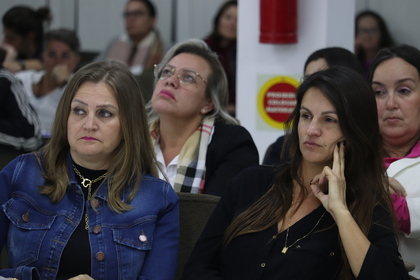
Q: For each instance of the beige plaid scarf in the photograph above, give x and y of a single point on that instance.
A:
(191, 166)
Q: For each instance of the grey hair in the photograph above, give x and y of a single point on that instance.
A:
(216, 89)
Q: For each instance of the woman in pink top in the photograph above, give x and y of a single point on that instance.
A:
(395, 79)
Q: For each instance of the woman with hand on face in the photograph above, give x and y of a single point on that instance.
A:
(45, 88)
(395, 79)
(319, 60)
(198, 145)
(23, 30)
(326, 214)
(88, 204)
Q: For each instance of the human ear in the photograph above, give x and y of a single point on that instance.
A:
(208, 107)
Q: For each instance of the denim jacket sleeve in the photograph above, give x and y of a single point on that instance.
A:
(21, 272)
(162, 260)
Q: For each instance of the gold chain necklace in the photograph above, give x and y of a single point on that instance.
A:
(87, 183)
(285, 248)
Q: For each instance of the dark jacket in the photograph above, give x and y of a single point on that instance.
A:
(272, 155)
(230, 151)
(19, 124)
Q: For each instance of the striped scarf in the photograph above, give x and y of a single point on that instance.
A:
(191, 167)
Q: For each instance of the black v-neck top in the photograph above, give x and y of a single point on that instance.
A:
(76, 258)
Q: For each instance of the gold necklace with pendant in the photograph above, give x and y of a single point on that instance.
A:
(87, 183)
(285, 248)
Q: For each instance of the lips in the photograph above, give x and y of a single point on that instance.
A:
(392, 119)
(166, 93)
(89, 138)
(312, 144)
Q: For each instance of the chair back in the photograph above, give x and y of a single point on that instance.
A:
(195, 209)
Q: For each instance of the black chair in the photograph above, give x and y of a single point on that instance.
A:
(195, 209)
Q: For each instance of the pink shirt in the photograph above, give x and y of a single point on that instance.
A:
(400, 204)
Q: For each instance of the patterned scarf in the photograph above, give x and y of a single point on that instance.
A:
(191, 168)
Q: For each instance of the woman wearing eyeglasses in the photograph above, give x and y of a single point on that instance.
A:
(198, 145)
(372, 35)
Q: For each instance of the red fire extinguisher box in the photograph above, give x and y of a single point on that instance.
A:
(278, 21)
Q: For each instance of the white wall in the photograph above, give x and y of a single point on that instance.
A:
(197, 20)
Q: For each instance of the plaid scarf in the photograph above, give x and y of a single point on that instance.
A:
(191, 167)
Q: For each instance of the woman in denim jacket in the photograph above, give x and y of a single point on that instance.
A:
(88, 205)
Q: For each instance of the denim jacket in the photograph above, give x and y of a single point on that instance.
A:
(36, 231)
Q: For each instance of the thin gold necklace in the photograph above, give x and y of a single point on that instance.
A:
(87, 183)
(285, 248)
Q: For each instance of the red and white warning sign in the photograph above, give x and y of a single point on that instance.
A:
(277, 99)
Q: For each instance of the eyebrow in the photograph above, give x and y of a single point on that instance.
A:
(323, 113)
(397, 82)
(98, 106)
(184, 68)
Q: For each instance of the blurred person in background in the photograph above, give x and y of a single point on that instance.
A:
(141, 47)
(23, 30)
(372, 34)
(20, 130)
(45, 88)
(222, 40)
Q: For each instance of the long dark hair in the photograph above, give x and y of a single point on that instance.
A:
(215, 31)
(386, 38)
(336, 56)
(366, 182)
(406, 52)
(149, 5)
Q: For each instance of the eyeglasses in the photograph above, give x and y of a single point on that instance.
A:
(135, 14)
(368, 31)
(185, 76)
(55, 55)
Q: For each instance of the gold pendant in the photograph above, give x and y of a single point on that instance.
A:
(284, 250)
(86, 182)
